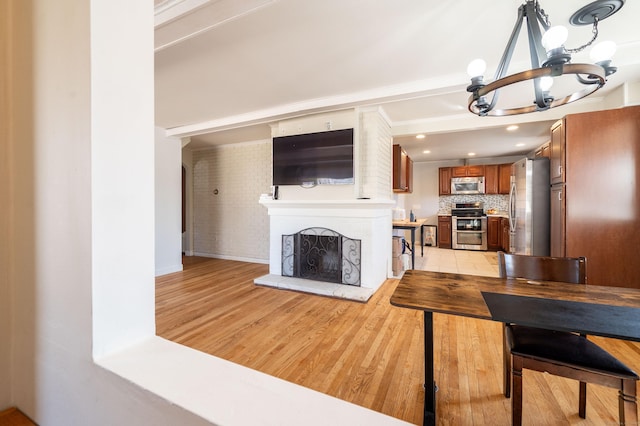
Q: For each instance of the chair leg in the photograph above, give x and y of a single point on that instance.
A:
(627, 404)
(582, 402)
(506, 370)
(516, 398)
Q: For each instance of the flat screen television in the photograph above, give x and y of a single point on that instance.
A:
(313, 158)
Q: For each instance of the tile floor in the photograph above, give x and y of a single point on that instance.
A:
(458, 261)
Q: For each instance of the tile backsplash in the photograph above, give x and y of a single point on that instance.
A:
(499, 202)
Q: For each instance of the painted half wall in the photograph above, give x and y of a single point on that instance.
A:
(168, 198)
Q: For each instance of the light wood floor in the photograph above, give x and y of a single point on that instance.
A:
(369, 354)
(14, 417)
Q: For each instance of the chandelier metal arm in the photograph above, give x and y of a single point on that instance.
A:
(536, 51)
(506, 57)
(503, 65)
(595, 72)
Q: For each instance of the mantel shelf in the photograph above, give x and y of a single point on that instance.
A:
(327, 204)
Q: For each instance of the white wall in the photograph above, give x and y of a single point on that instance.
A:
(6, 106)
(81, 210)
(424, 198)
(168, 203)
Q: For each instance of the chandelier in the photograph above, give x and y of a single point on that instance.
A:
(549, 59)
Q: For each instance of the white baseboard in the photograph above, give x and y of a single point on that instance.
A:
(168, 270)
(237, 258)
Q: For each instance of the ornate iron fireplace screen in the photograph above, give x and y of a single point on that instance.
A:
(323, 255)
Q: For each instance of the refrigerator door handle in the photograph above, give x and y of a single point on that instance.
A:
(512, 206)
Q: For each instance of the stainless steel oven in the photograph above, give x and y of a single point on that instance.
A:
(469, 227)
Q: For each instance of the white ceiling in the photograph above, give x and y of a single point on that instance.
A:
(225, 69)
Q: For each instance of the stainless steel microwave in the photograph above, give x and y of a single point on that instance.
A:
(467, 185)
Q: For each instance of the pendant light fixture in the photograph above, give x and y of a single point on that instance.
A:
(549, 59)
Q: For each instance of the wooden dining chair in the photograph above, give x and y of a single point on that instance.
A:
(560, 353)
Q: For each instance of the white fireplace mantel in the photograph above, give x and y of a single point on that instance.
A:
(356, 207)
(364, 219)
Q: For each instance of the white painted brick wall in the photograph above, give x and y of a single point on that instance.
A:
(375, 155)
(231, 223)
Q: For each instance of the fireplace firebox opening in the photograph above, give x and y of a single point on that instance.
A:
(321, 254)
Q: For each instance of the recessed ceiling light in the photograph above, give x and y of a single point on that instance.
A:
(420, 136)
(520, 144)
(512, 128)
(471, 154)
(426, 152)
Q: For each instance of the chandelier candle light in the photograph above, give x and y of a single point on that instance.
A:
(549, 59)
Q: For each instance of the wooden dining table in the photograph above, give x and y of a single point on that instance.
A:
(596, 310)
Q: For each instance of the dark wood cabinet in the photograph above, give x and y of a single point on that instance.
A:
(464, 171)
(544, 151)
(497, 178)
(445, 180)
(600, 195)
(399, 169)
(409, 175)
(491, 179)
(402, 170)
(444, 231)
(494, 233)
(505, 237)
(558, 214)
(557, 152)
(504, 176)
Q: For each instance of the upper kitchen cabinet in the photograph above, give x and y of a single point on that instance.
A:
(504, 174)
(497, 178)
(464, 171)
(544, 151)
(557, 153)
(491, 179)
(402, 170)
(445, 180)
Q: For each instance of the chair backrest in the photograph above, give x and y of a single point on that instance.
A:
(564, 269)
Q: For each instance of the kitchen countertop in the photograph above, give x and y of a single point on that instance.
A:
(498, 214)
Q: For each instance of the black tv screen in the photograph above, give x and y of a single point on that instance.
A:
(313, 158)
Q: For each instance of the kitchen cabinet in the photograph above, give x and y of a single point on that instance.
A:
(544, 151)
(497, 178)
(600, 193)
(402, 170)
(504, 174)
(557, 153)
(445, 180)
(494, 233)
(464, 171)
(505, 237)
(444, 231)
(558, 214)
(409, 175)
(491, 179)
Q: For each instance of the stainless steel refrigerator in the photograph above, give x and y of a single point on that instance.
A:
(529, 207)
